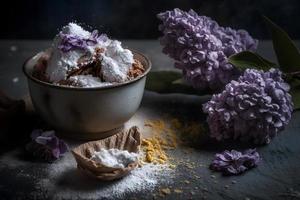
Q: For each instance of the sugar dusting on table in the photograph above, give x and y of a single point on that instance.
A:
(64, 181)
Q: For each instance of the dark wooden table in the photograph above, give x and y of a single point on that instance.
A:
(277, 177)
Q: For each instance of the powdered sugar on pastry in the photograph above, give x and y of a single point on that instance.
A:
(62, 62)
(88, 81)
(114, 157)
(116, 62)
(105, 61)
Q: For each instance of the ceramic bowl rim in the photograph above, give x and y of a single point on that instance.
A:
(29, 76)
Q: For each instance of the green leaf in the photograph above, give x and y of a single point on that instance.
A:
(288, 55)
(248, 59)
(170, 82)
(296, 98)
(295, 92)
(179, 81)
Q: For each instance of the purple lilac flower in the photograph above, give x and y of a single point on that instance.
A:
(234, 162)
(46, 145)
(70, 42)
(201, 47)
(254, 108)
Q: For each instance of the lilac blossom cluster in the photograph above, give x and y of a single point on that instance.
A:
(254, 108)
(201, 47)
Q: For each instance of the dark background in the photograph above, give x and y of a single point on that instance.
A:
(136, 19)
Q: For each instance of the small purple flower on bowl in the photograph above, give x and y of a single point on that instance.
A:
(45, 145)
(234, 162)
(70, 42)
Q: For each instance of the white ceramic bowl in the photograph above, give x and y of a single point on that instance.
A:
(86, 113)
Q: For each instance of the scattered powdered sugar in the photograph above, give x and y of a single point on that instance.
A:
(13, 48)
(65, 181)
(114, 157)
(15, 80)
(62, 180)
(88, 81)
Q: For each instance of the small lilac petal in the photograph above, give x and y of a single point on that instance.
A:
(42, 140)
(63, 147)
(56, 153)
(35, 133)
(53, 142)
(46, 145)
(48, 134)
(70, 42)
(236, 162)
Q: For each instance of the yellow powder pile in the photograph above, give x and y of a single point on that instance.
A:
(153, 151)
(164, 133)
(163, 138)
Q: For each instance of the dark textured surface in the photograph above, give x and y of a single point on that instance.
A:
(277, 177)
(136, 19)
